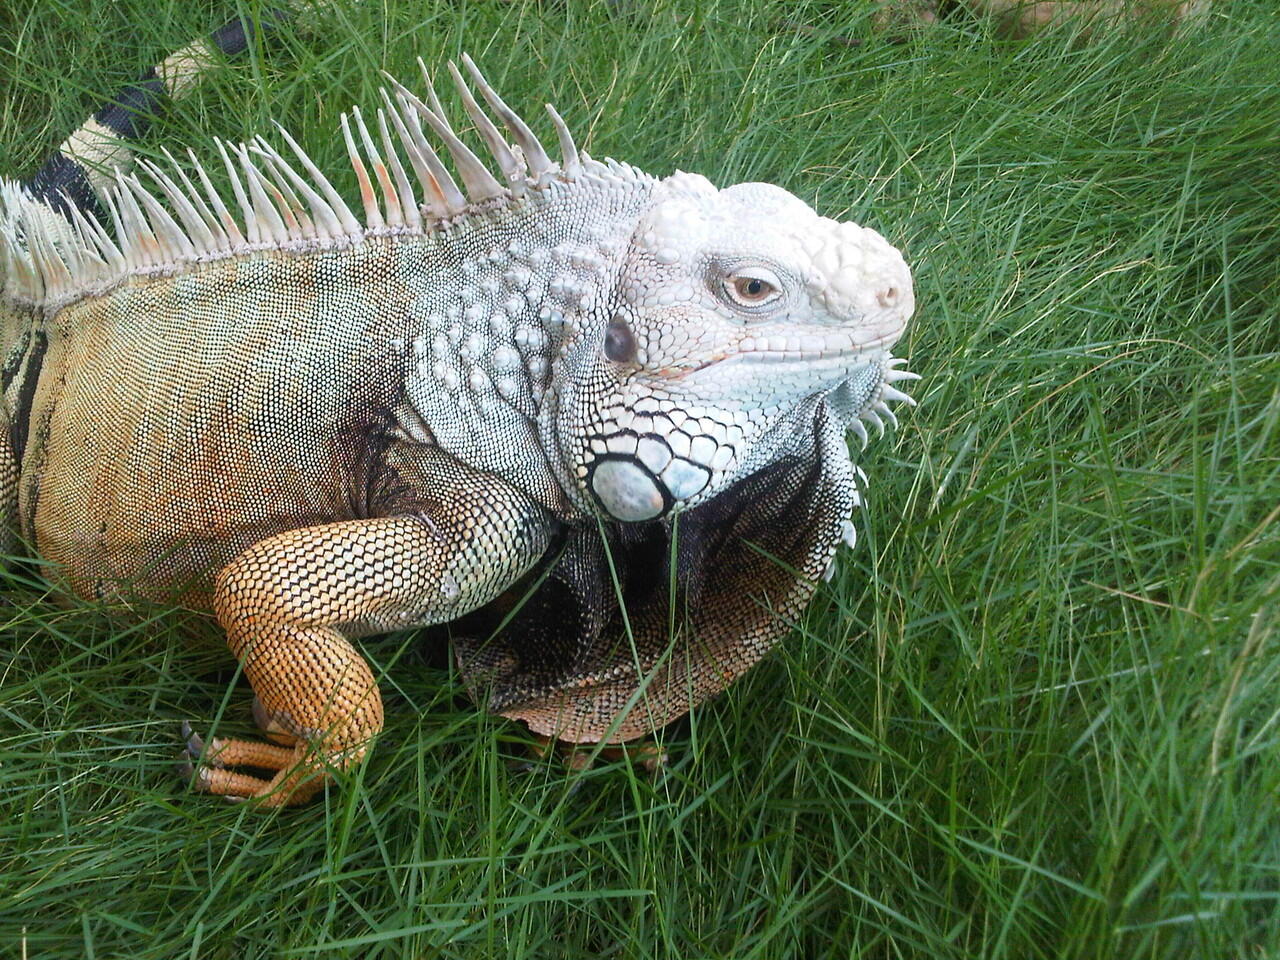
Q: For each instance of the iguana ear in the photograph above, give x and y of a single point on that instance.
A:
(576, 664)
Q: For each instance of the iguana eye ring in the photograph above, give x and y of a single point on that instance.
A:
(751, 289)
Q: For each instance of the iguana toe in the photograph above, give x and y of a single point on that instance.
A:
(206, 767)
(293, 779)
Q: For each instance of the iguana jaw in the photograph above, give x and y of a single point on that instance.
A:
(665, 454)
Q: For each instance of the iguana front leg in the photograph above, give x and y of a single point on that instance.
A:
(291, 604)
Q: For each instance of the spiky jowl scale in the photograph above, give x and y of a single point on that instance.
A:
(551, 383)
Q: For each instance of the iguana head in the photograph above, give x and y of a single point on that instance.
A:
(734, 312)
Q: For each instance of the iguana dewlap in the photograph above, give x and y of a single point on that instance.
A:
(600, 412)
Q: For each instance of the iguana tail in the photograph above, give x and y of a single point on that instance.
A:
(85, 163)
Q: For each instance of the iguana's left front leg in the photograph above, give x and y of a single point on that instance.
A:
(291, 604)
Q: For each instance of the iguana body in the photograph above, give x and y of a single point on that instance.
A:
(606, 408)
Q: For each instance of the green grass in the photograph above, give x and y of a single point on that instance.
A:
(1037, 713)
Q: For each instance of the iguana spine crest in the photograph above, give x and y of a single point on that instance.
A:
(49, 262)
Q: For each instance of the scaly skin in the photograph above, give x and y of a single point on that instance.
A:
(603, 410)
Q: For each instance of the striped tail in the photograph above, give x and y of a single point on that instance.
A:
(85, 164)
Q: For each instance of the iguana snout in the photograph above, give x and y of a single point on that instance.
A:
(735, 310)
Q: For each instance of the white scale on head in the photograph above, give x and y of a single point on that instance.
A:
(632, 489)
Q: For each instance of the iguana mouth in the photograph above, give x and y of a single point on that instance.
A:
(764, 350)
(808, 348)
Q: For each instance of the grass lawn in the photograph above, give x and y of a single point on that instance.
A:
(1037, 712)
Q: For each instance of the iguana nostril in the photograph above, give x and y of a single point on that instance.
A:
(619, 341)
(887, 297)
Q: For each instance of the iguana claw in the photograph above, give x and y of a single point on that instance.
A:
(193, 762)
(195, 745)
(187, 770)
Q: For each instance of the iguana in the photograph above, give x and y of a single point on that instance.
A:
(595, 416)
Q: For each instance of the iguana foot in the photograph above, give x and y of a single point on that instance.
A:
(578, 756)
(204, 766)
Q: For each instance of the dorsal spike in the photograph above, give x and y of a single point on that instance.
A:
(144, 249)
(117, 224)
(433, 101)
(16, 273)
(251, 230)
(291, 208)
(408, 202)
(350, 225)
(511, 168)
(326, 220)
(534, 155)
(479, 182)
(228, 222)
(390, 197)
(20, 277)
(193, 225)
(453, 199)
(171, 237)
(287, 207)
(29, 276)
(264, 211)
(73, 248)
(219, 241)
(424, 161)
(105, 246)
(372, 214)
(570, 165)
(52, 269)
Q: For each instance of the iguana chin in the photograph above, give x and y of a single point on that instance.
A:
(595, 416)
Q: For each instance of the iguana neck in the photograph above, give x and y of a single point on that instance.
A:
(488, 307)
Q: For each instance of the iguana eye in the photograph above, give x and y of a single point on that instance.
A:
(619, 341)
(750, 289)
